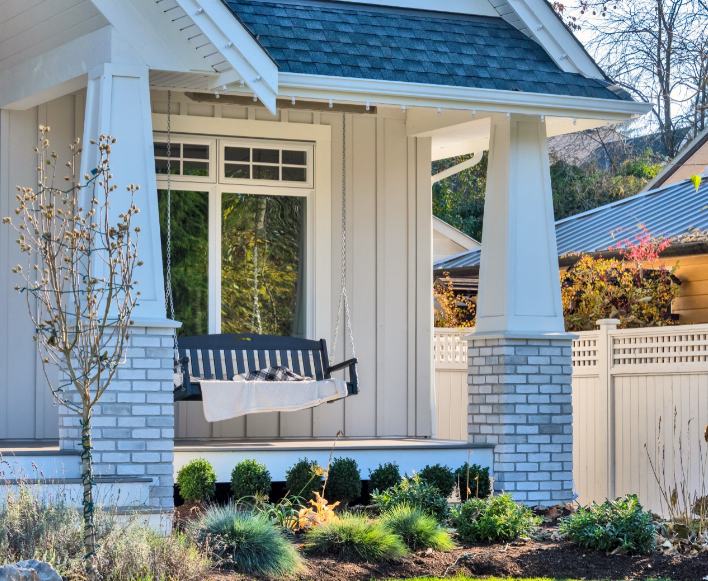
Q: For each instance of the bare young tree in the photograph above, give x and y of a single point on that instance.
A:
(656, 49)
(78, 280)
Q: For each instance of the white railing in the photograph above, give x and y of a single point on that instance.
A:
(625, 382)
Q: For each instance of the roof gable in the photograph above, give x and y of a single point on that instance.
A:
(417, 46)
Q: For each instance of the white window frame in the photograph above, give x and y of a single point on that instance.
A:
(308, 148)
(196, 140)
(214, 191)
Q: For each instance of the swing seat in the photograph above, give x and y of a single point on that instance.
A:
(223, 357)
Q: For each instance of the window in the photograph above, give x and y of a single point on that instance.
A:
(265, 162)
(241, 243)
(190, 159)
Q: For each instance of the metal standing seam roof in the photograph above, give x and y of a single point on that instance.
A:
(417, 46)
(665, 212)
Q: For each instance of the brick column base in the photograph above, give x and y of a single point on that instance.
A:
(133, 422)
(520, 400)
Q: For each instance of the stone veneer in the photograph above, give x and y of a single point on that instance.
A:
(520, 400)
(133, 422)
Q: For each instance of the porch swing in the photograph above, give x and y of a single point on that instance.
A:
(222, 358)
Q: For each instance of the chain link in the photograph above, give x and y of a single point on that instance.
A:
(343, 299)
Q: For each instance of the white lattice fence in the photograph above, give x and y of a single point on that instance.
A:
(450, 359)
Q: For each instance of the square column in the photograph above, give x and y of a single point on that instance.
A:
(519, 374)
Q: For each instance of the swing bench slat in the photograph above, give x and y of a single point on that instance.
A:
(213, 356)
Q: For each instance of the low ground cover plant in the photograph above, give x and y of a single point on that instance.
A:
(303, 478)
(196, 480)
(250, 478)
(248, 542)
(494, 519)
(442, 477)
(418, 529)
(411, 491)
(356, 538)
(385, 476)
(620, 525)
(473, 481)
(343, 481)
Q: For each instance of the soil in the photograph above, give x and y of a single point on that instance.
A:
(530, 558)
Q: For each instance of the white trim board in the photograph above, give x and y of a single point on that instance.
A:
(454, 234)
(396, 93)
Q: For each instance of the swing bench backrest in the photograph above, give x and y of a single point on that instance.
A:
(223, 357)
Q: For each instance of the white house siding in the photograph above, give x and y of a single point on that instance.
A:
(26, 404)
(389, 239)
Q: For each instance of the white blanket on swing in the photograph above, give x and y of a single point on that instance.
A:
(223, 400)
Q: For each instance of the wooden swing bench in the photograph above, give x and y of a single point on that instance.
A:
(222, 357)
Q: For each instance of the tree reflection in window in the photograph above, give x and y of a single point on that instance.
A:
(263, 264)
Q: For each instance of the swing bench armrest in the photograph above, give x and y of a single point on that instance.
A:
(353, 383)
(343, 365)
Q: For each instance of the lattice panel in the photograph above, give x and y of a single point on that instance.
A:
(449, 350)
(585, 352)
(668, 347)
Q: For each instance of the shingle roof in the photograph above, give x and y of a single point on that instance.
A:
(372, 42)
(665, 212)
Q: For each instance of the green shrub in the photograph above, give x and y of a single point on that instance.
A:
(417, 529)
(344, 481)
(248, 542)
(302, 478)
(412, 491)
(356, 538)
(441, 477)
(611, 525)
(196, 480)
(249, 478)
(385, 476)
(478, 481)
(494, 519)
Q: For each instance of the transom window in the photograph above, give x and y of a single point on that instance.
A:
(242, 243)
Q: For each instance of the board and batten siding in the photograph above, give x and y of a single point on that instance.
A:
(389, 274)
(27, 410)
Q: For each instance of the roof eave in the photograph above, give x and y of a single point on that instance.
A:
(397, 93)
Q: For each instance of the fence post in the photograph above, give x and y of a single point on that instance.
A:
(604, 360)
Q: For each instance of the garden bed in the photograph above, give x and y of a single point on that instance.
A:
(529, 558)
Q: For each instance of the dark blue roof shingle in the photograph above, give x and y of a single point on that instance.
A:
(335, 39)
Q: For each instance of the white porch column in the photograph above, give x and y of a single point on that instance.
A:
(118, 104)
(134, 420)
(519, 373)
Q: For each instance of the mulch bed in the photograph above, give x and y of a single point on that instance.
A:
(523, 559)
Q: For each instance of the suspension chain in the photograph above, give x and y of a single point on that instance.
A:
(169, 302)
(343, 299)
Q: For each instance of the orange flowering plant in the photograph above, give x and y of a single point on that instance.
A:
(456, 310)
(636, 288)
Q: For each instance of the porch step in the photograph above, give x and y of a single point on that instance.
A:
(40, 464)
(124, 492)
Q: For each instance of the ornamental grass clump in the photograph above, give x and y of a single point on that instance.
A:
(356, 538)
(249, 478)
(383, 477)
(247, 542)
(197, 480)
(439, 476)
(412, 491)
(494, 519)
(621, 526)
(417, 529)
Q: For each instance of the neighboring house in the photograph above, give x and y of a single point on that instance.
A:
(693, 160)
(275, 107)
(448, 240)
(676, 211)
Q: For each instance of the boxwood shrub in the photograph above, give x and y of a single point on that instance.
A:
(344, 481)
(442, 477)
(385, 476)
(478, 481)
(196, 480)
(302, 478)
(250, 478)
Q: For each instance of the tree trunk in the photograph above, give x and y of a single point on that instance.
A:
(87, 479)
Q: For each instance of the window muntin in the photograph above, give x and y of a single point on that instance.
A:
(251, 161)
(192, 159)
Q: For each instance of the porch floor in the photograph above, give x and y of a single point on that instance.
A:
(307, 444)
